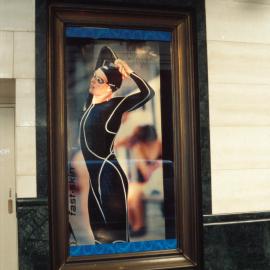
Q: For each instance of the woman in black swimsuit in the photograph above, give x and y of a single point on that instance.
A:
(99, 124)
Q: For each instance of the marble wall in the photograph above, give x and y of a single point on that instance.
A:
(237, 242)
(238, 45)
(33, 232)
(238, 68)
(17, 54)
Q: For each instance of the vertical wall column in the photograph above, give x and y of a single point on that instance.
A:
(236, 235)
(238, 44)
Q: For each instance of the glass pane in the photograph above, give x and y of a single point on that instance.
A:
(120, 166)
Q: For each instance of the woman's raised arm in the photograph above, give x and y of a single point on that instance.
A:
(134, 100)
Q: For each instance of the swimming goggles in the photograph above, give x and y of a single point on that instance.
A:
(98, 79)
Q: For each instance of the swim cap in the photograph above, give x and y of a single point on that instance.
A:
(113, 75)
(105, 62)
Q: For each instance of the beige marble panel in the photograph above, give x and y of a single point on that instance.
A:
(232, 20)
(25, 102)
(240, 147)
(7, 91)
(25, 151)
(239, 105)
(24, 55)
(240, 191)
(17, 15)
(6, 54)
(232, 62)
(255, 2)
(26, 186)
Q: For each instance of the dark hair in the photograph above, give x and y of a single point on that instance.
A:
(146, 133)
(113, 75)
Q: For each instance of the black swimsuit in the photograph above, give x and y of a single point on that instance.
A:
(107, 199)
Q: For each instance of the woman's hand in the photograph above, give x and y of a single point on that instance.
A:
(123, 67)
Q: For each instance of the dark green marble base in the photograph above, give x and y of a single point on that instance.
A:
(238, 217)
(237, 246)
(33, 232)
(41, 15)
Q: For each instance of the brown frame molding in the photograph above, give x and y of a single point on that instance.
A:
(185, 136)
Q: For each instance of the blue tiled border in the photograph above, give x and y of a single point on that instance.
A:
(121, 34)
(119, 248)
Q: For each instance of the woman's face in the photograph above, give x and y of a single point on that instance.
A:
(99, 83)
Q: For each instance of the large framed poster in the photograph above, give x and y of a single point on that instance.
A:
(123, 139)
